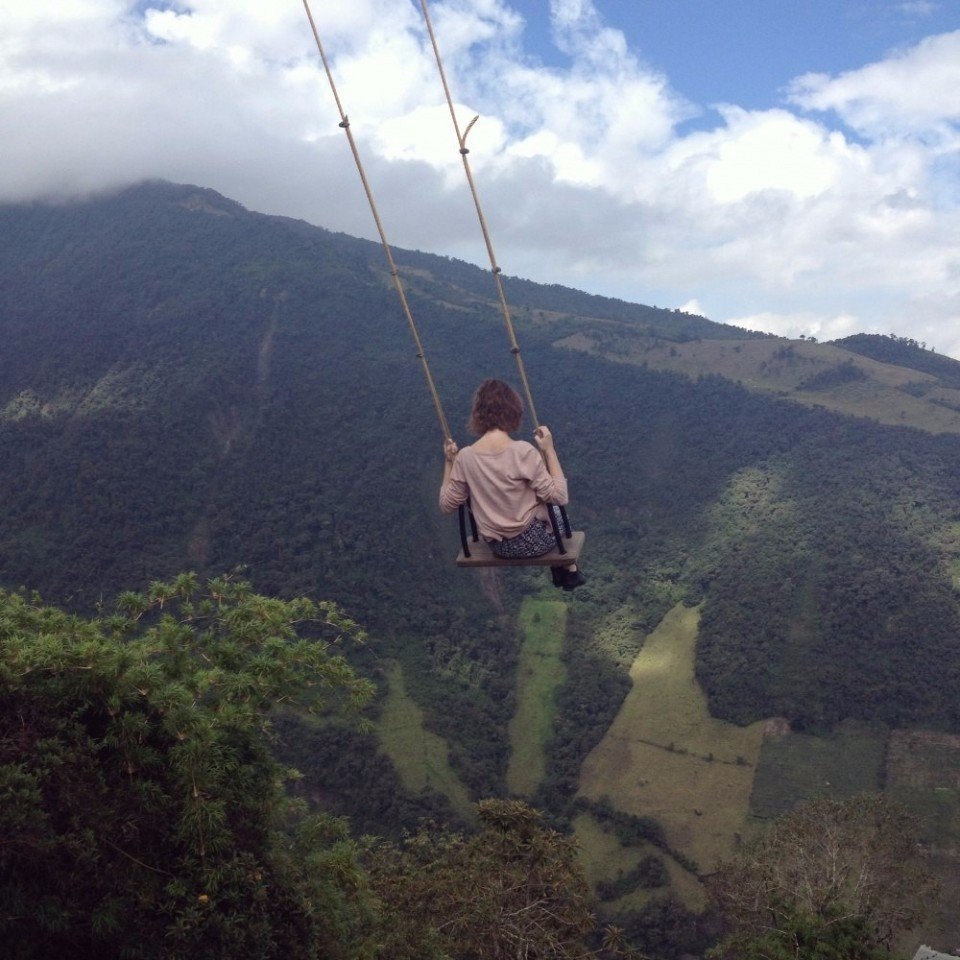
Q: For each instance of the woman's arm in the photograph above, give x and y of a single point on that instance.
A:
(453, 492)
(547, 479)
(544, 439)
(450, 451)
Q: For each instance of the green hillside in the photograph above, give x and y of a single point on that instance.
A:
(903, 386)
(185, 384)
(904, 352)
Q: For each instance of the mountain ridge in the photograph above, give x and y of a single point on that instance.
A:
(187, 382)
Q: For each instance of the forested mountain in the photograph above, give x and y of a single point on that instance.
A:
(185, 384)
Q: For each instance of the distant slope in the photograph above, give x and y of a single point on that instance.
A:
(898, 387)
(545, 303)
(904, 352)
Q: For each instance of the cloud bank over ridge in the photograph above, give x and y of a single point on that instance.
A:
(836, 210)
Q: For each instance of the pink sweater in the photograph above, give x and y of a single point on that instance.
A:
(506, 489)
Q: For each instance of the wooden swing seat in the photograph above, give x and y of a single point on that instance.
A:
(482, 556)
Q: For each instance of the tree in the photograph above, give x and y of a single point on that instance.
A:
(141, 813)
(513, 890)
(832, 879)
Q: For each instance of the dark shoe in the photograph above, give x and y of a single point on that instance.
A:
(573, 579)
(557, 574)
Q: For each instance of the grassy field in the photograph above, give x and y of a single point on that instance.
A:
(710, 783)
(603, 858)
(923, 773)
(540, 673)
(664, 755)
(796, 767)
(419, 755)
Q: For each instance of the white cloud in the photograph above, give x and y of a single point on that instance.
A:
(802, 325)
(913, 92)
(611, 111)
(692, 307)
(841, 208)
(754, 152)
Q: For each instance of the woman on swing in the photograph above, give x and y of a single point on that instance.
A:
(509, 484)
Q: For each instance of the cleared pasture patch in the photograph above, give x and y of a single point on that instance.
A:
(419, 755)
(795, 767)
(785, 368)
(923, 758)
(923, 773)
(665, 757)
(540, 673)
(601, 854)
(603, 858)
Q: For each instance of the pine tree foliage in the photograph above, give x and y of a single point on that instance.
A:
(512, 890)
(141, 813)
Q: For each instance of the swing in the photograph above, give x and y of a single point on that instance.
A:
(474, 552)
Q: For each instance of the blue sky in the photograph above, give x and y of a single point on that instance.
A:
(790, 166)
(747, 51)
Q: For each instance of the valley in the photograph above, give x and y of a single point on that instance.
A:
(711, 785)
(772, 612)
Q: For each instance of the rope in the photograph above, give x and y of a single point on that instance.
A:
(462, 141)
(345, 124)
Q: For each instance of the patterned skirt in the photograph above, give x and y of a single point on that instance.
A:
(535, 541)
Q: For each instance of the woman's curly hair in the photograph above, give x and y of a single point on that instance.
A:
(496, 406)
